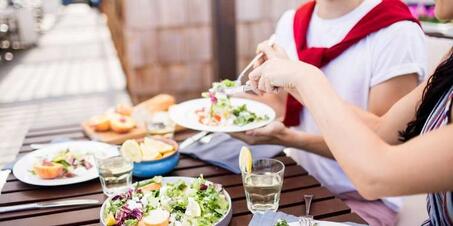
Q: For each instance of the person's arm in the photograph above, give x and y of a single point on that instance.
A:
(277, 133)
(381, 98)
(375, 167)
(384, 95)
(391, 92)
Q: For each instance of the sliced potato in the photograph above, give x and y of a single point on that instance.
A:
(168, 154)
(148, 153)
(159, 146)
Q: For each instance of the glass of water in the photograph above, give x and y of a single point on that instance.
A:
(115, 174)
(160, 124)
(263, 185)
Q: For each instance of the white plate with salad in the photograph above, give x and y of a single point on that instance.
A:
(62, 163)
(169, 201)
(218, 112)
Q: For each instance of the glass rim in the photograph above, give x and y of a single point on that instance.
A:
(270, 159)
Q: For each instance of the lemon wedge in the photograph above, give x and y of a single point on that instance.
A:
(193, 208)
(131, 151)
(245, 160)
(110, 220)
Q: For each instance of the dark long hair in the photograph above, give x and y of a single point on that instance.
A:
(439, 83)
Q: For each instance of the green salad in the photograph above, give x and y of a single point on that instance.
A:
(176, 204)
(222, 112)
(281, 222)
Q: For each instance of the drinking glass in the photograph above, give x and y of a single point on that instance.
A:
(263, 185)
(115, 174)
(160, 124)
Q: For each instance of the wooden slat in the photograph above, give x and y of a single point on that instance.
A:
(76, 217)
(350, 217)
(59, 131)
(50, 193)
(55, 127)
(288, 198)
(292, 183)
(47, 139)
(231, 180)
(32, 213)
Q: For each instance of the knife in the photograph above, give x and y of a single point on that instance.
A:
(187, 142)
(51, 204)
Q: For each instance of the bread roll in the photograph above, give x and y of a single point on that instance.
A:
(144, 110)
(160, 102)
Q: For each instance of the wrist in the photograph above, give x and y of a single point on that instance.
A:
(282, 137)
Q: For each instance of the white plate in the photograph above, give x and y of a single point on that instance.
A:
(224, 221)
(184, 115)
(22, 168)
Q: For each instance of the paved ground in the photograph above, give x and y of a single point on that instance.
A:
(75, 57)
(72, 73)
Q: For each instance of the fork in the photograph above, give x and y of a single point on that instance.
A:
(307, 219)
(257, 57)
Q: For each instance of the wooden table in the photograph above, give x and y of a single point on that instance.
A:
(297, 183)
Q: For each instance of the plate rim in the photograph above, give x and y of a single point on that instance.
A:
(172, 112)
(60, 183)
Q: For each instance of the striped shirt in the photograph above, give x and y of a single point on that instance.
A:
(439, 205)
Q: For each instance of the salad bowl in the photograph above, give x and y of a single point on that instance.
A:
(224, 220)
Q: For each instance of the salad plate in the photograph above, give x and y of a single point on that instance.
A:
(190, 114)
(219, 112)
(172, 201)
(62, 163)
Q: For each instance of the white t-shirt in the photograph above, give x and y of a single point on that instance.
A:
(392, 51)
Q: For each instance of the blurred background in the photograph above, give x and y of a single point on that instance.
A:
(61, 60)
(147, 46)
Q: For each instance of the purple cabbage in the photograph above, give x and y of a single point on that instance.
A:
(125, 214)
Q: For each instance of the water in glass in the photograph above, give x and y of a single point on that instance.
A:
(115, 174)
(263, 185)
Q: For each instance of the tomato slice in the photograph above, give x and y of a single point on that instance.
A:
(217, 118)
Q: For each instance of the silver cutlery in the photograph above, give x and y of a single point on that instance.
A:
(187, 142)
(270, 42)
(51, 204)
(207, 138)
(240, 88)
(307, 219)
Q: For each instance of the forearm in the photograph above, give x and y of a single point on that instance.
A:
(307, 142)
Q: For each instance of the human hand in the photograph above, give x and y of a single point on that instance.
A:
(270, 134)
(277, 73)
(269, 51)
